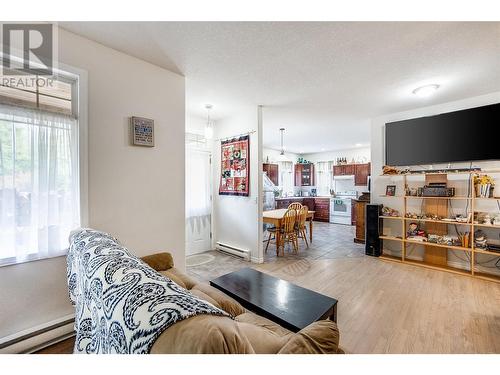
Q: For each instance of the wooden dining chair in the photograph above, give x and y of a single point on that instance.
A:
(272, 236)
(301, 228)
(295, 206)
(288, 232)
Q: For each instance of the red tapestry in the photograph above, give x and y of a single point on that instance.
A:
(235, 167)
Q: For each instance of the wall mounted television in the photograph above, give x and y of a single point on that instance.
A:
(461, 136)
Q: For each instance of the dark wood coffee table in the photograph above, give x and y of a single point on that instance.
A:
(278, 300)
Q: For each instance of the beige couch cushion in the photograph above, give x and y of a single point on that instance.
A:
(259, 321)
(321, 337)
(265, 336)
(223, 301)
(205, 297)
(160, 261)
(203, 334)
(179, 278)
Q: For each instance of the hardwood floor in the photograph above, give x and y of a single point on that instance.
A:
(384, 307)
(63, 347)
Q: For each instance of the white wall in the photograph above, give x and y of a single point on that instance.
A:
(195, 124)
(358, 155)
(135, 193)
(273, 156)
(361, 155)
(378, 151)
(237, 220)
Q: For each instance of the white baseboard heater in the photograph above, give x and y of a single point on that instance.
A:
(242, 253)
(39, 337)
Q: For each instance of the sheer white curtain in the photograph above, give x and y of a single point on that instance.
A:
(39, 183)
(286, 176)
(324, 177)
(198, 203)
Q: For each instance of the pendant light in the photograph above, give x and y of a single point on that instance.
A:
(282, 156)
(209, 126)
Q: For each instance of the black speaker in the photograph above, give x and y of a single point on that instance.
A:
(373, 244)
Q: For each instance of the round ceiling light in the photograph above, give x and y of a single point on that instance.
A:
(425, 91)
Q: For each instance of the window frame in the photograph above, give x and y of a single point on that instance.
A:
(80, 107)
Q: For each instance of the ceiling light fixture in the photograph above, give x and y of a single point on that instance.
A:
(282, 156)
(426, 91)
(209, 126)
(282, 152)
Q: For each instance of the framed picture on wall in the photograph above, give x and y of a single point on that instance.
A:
(235, 167)
(142, 130)
(390, 190)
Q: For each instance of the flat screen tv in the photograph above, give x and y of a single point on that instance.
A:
(462, 136)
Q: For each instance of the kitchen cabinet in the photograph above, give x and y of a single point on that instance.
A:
(304, 174)
(322, 208)
(272, 171)
(344, 170)
(309, 202)
(285, 202)
(360, 212)
(349, 169)
(362, 171)
(338, 170)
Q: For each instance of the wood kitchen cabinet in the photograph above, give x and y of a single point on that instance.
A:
(322, 208)
(304, 174)
(285, 202)
(338, 170)
(360, 172)
(344, 170)
(309, 202)
(349, 169)
(272, 171)
(360, 209)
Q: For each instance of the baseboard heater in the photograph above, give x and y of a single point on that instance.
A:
(242, 253)
(39, 337)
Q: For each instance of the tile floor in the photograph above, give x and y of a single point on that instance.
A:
(330, 241)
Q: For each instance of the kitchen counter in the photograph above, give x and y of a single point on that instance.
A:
(298, 198)
(321, 205)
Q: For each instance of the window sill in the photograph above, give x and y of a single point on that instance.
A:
(7, 262)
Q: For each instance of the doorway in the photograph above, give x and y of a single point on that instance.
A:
(198, 195)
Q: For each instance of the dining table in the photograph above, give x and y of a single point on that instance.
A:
(275, 217)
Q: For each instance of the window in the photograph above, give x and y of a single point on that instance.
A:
(198, 177)
(38, 92)
(324, 177)
(286, 177)
(39, 171)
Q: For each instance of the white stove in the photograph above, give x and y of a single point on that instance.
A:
(341, 206)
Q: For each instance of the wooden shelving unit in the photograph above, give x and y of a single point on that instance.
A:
(435, 255)
(438, 221)
(446, 198)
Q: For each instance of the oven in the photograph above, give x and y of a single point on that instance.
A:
(340, 210)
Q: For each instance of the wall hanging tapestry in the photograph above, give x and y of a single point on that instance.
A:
(235, 166)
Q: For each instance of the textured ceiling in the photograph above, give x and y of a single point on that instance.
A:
(322, 81)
